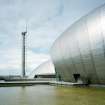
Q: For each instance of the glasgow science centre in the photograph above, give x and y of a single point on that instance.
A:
(79, 53)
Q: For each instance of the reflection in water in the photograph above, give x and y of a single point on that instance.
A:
(51, 95)
(32, 95)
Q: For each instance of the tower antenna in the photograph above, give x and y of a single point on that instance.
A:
(24, 52)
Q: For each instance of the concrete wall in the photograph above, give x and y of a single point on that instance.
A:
(81, 49)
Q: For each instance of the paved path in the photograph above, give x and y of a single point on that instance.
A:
(29, 83)
(62, 83)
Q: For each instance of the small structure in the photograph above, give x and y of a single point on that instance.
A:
(45, 76)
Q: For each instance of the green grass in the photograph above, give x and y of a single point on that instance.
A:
(80, 96)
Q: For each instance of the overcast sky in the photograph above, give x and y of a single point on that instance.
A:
(46, 20)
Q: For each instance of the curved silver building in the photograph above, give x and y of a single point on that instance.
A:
(46, 68)
(79, 53)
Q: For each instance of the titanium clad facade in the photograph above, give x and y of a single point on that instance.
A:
(80, 51)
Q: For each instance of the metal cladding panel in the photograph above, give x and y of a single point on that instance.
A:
(58, 62)
(96, 42)
(81, 49)
(69, 65)
(64, 68)
(85, 51)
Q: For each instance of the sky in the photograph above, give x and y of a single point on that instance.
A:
(45, 19)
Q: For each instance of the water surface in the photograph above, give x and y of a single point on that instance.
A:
(51, 95)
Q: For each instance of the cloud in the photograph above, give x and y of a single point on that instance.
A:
(11, 61)
(13, 18)
(37, 14)
(46, 20)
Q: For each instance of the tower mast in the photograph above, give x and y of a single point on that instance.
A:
(23, 52)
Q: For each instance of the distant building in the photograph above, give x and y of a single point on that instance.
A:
(10, 77)
(45, 70)
(79, 53)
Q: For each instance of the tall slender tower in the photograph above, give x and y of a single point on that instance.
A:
(23, 52)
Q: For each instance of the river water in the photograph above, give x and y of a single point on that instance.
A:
(51, 95)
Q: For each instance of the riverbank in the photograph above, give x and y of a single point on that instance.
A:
(22, 83)
(53, 83)
(30, 83)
